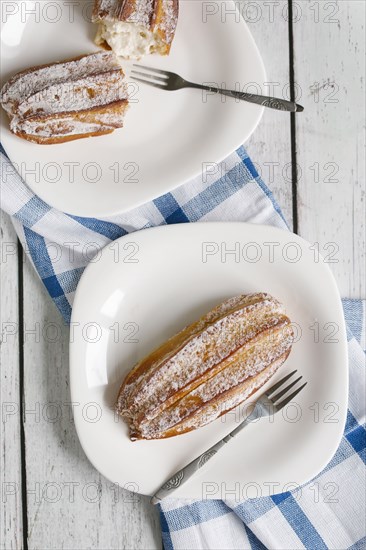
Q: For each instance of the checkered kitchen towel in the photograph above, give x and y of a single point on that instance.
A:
(326, 513)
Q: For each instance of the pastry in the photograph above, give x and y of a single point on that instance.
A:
(77, 98)
(207, 369)
(133, 28)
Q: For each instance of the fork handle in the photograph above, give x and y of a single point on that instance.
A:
(180, 477)
(264, 101)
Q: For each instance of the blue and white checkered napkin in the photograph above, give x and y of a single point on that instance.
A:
(327, 512)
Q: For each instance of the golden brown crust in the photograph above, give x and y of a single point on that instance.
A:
(53, 103)
(240, 391)
(103, 44)
(91, 117)
(162, 353)
(158, 17)
(182, 397)
(29, 70)
(158, 23)
(208, 368)
(55, 141)
(42, 66)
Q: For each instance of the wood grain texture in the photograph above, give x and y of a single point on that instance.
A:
(70, 505)
(60, 480)
(330, 70)
(11, 526)
(270, 145)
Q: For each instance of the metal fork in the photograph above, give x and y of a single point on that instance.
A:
(166, 80)
(269, 403)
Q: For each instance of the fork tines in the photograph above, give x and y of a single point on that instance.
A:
(275, 395)
(160, 71)
(154, 77)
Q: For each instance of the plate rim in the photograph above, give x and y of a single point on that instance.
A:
(96, 212)
(172, 227)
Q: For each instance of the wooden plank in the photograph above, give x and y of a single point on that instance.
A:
(114, 521)
(330, 70)
(70, 505)
(270, 144)
(63, 508)
(11, 525)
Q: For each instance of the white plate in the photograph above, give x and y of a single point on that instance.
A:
(167, 135)
(147, 286)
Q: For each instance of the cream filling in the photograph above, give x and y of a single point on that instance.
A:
(128, 40)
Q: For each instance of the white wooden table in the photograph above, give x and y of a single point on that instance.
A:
(52, 497)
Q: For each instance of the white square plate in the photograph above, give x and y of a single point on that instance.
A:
(149, 285)
(167, 135)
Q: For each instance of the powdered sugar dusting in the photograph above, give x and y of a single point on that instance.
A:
(138, 376)
(211, 411)
(133, 28)
(77, 95)
(232, 343)
(245, 364)
(203, 352)
(142, 13)
(67, 125)
(169, 22)
(71, 98)
(33, 81)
